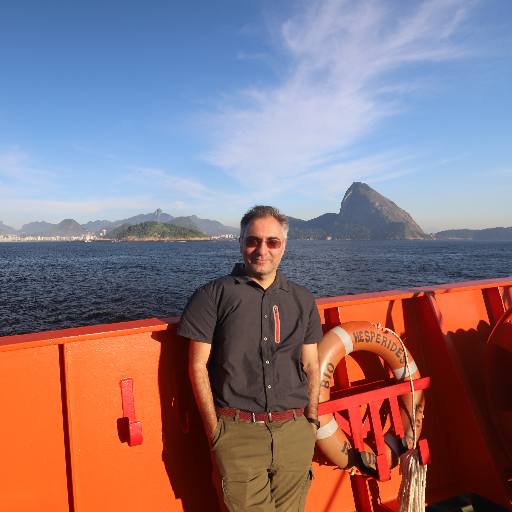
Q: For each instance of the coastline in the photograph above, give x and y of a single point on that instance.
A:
(134, 239)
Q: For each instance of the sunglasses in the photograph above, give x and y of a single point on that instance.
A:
(271, 244)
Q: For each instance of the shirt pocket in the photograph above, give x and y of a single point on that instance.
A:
(287, 326)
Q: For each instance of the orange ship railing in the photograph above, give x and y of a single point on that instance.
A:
(70, 434)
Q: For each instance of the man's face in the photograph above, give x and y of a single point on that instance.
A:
(260, 260)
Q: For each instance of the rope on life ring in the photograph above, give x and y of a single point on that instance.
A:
(355, 336)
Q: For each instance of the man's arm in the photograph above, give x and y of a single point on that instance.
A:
(311, 366)
(199, 354)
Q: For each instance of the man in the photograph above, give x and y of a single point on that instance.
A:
(255, 372)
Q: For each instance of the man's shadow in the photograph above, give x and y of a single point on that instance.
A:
(186, 456)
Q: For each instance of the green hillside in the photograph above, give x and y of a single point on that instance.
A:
(114, 232)
(464, 234)
(336, 230)
(476, 234)
(156, 231)
(493, 234)
(184, 222)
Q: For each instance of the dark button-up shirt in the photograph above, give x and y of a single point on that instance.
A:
(257, 337)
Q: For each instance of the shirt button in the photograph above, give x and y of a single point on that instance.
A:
(265, 339)
(268, 362)
(265, 316)
(269, 386)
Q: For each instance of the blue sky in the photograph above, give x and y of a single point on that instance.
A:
(114, 108)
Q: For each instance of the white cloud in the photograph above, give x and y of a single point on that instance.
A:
(453, 159)
(27, 192)
(92, 151)
(503, 171)
(265, 57)
(76, 208)
(15, 165)
(188, 186)
(342, 57)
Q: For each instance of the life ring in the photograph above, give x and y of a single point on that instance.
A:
(336, 344)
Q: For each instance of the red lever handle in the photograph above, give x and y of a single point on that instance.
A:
(133, 428)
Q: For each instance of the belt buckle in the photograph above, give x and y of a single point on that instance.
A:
(254, 419)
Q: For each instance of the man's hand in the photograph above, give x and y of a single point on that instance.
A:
(210, 433)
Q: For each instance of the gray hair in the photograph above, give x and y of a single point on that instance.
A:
(259, 211)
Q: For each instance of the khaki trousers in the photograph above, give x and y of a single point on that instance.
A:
(263, 467)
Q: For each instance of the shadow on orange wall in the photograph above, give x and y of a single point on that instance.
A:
(185, 455)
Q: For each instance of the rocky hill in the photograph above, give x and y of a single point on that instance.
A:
(68, 227)
(364, 206)
(364, 215)
(213, 227)
(33, 228)
(6, 230)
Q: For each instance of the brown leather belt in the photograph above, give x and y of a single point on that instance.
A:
(264, 417)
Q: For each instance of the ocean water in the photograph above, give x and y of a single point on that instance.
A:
(56, 285)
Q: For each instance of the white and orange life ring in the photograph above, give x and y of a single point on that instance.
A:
(341, 341)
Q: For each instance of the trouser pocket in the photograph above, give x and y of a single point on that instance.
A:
(217, 432)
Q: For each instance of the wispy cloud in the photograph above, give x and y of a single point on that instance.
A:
(187, 186)
(453, 159)
(76, 208)
(340, 84)
(27, 188)
(16, 166)
(336, 178)
(502, 171)
(256, 56)
(98, 153)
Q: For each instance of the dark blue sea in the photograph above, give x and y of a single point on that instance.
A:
(56, 285)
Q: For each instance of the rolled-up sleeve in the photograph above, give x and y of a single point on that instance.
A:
(199, 317)
(314, 332)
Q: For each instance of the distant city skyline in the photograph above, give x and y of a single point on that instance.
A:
(112, 109)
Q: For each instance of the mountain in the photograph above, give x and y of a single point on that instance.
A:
(156, 216)
(98, 225)
(475, 234)
(156, 231)
(207, 226)
(364, 215)
(366, 207)
(68, 227)
(184, 222)
(213, 227)
(210, 227)
(6, 230)
(33, 228)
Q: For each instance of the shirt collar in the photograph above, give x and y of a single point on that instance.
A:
(240, 276)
